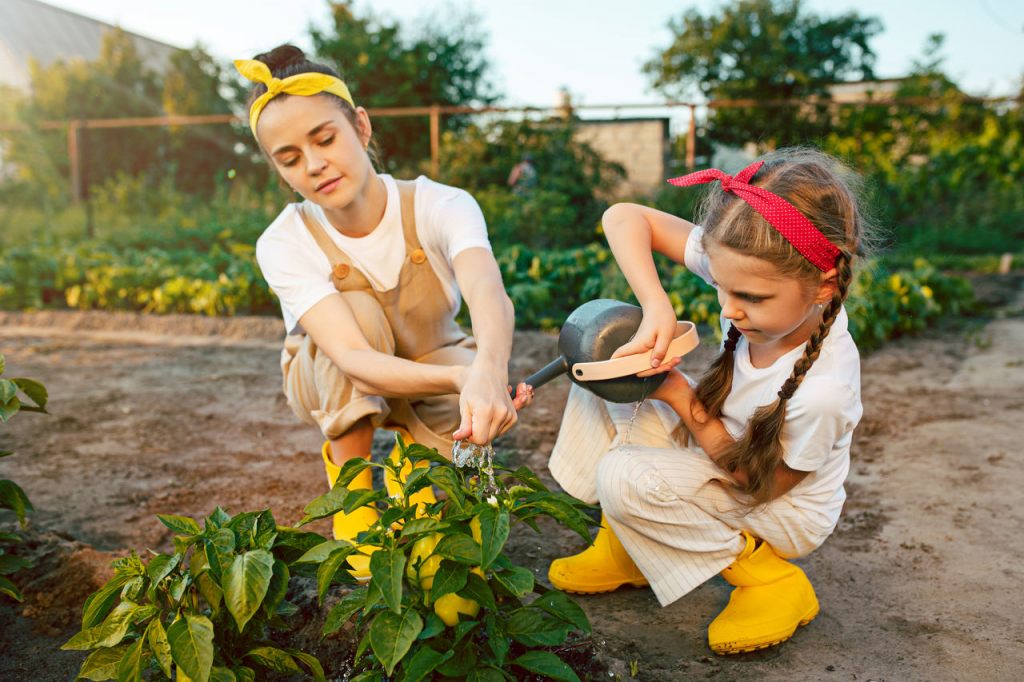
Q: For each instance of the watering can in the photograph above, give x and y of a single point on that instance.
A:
(588, 338)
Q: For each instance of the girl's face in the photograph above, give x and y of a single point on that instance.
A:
(766, 306)
(316, 150)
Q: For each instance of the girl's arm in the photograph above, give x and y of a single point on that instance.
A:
(487, 410)
(634, 233)
(334, 329)
(710, 433)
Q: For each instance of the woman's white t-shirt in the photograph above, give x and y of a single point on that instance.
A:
(448, 221)
(821, 415)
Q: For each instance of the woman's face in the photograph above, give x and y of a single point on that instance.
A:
(316, 149)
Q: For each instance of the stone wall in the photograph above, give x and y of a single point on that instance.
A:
(640, 145)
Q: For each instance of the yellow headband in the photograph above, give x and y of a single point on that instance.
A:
(305, 84)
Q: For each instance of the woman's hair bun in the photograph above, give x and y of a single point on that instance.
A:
(281, 57)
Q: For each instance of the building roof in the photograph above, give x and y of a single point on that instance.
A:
(30, 29)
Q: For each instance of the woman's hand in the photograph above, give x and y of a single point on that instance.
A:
(656, 331)
(485, 405)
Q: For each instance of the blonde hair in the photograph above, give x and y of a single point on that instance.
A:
(825, 192)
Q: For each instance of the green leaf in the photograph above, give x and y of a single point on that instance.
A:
(433, 627)
(102, 663)
(350, 470)
(418, 479)
(9, 563)
(479, 591)
(367, 676)
(361, 497)
(423, 663)
(447, 480)
(9, 408)
(245, 584)
(180, 524)
(3, 363)
(113, 629)
(463, 661)
(561, 511)
(533, 627)
(387, 568)
(157, 637)
(220, 552)
(342, 612)
(326, 505)
(497, 638)
(547, 664)
(244, 673)
(328, 570)
(529, 479)
(319, 553)
(133, 662)
(265, 532)
(10, 589)
(311, 662)
(13, 497)
(392, 634)
(34, 390)
(176, 590)
(278, 587)
(560, 605)
(8, 389)
(517, 580)
(161, 566)
(494, 529)
(422, 525)
(191, 640)
(450, 577)
(459, 547)
(5, 453)
(219, 518)
(99, 603)
(488, 674)
(134, 588)
(222, 674)
(274, 659)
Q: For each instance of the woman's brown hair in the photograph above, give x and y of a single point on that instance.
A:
(825, 192)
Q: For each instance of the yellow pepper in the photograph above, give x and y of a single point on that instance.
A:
(448, 606)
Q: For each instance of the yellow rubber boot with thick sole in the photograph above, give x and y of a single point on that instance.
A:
(348, 526)
(602, 567)
(772, 598)
(394, 486)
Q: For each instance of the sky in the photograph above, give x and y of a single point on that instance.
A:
(594, 49)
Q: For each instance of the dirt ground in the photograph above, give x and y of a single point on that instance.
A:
(922, 579)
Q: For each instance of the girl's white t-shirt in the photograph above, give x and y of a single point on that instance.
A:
(821, 415)
(448, 221)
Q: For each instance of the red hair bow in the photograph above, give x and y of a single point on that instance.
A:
(780, 214)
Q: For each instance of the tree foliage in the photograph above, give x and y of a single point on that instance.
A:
(386, 65)
(561, 209)
(763, 50)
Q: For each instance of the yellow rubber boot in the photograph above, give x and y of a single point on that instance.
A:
(772, 598)
(602, 567)
(394, 486)
(348, 526)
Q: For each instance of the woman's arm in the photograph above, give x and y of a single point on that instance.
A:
(634, 233)
(334, 329)
(487, 410)
(710, 432)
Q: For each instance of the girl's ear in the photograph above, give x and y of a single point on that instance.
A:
(827, 287)
(364, 129)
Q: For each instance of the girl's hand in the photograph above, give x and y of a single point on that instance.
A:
(656, 331)
(674, 390)
(522, 396)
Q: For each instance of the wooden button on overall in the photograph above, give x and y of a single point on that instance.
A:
(417, 256)
(341, 270)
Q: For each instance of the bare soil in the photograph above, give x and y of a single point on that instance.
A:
(178, 414)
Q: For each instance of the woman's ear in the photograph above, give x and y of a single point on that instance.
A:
(827, 287)
(364, 129)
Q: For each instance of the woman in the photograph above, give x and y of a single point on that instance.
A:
(370, 272)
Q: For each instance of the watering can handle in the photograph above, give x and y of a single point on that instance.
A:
(686, 339)
(552, 370)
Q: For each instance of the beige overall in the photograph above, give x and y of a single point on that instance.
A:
(414, 320)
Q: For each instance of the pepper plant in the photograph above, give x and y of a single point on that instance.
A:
(205, 612)
(12, 497)
(443, 599)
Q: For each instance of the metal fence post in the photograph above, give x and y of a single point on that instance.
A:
(435, 140)
(75, 161)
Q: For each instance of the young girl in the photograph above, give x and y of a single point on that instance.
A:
(772, 419)
(369, 272)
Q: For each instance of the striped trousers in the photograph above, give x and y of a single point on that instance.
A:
(668, 503)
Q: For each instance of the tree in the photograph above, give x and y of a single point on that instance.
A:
(764, 50)
(561, 209)
(384, 67)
